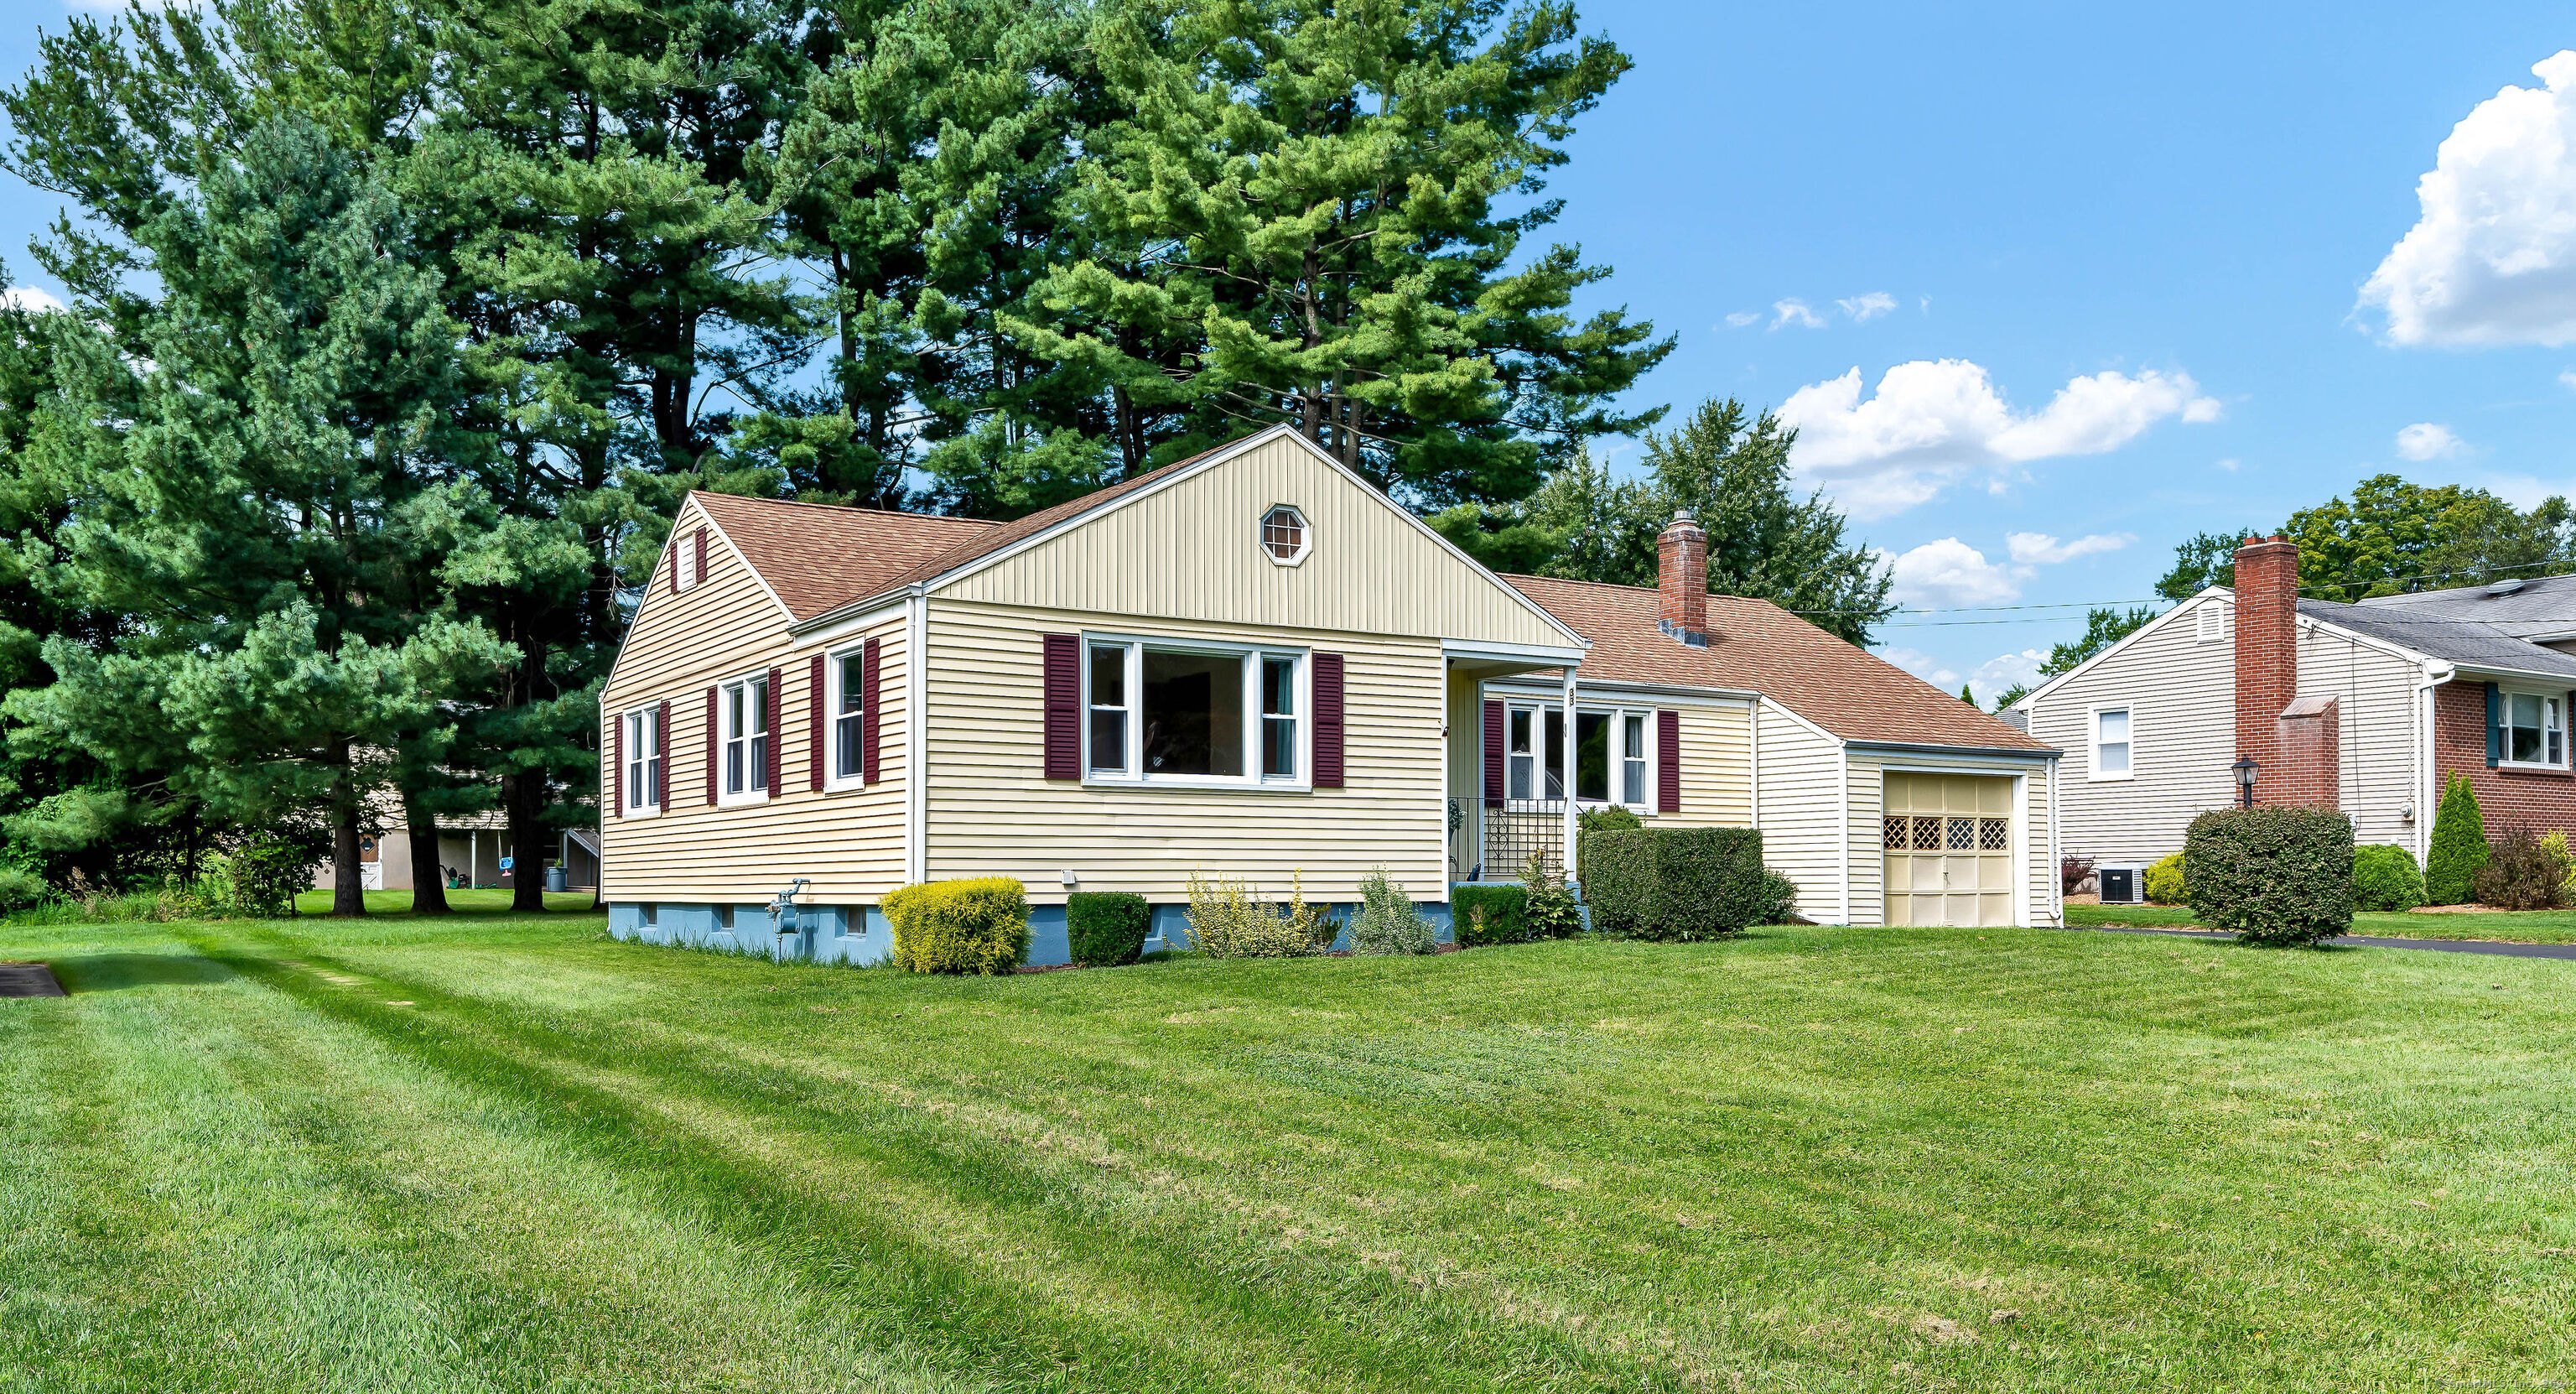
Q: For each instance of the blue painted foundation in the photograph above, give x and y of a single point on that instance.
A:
(859, 934)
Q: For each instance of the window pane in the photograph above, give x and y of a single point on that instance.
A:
(1635, 788)
(2526, 710)
(1635, 742)
(1554, 756)
(853, 682)
(733, 712)
(2115, 726)
(1109, 675)
(2524, 743)
(1193, 711)
(1520, 743)
(1109, 741)
(1519, 785)
(1278, 687)
(1279, 746)
(2115, 757)
(1591, 755)
(845, 743)
(758, 697)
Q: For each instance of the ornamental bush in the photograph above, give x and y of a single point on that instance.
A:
(1388, 921)
(1779, 899)
(2165, 883)
(1481, 915)
(1105, 929)
(1226, 922)
(1553, 911)
(972, 926)
(1674, 884)
(2459, 848)
(2273, 874)
(2384, 878)
(2522, 874)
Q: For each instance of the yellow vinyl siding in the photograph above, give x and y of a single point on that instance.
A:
(992, 811)
(1717, 765)
(1191, 551)
(849, 842)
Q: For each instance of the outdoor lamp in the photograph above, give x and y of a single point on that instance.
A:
(2244, 768)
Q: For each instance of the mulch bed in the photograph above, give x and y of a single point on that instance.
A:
(28, 980)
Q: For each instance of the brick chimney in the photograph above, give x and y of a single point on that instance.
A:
(1681, 575)
(2267, 679)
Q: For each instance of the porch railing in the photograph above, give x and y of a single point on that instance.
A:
(1495, 838)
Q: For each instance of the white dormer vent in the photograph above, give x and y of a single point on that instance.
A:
(2213, 621)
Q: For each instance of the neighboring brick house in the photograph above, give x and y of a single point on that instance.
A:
(2365, 707)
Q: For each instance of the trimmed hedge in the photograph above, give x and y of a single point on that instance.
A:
(973, 926)
(1482, 915)
(1106, 929)
(1674, 884)
(2459, 850)
(2384, 878)
(2274, 875)
(2166, 884)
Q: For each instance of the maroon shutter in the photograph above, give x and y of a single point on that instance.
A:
(662, 747)
(617, 765)
(868, 714)
(1328, 721)
(1668, 762)
(1063, 706)
(814, 736)
(711, 746)
(1494, 751)
(776, 735)
(699, 576)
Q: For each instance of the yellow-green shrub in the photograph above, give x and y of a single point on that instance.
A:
(974, 926)
(2165, 882)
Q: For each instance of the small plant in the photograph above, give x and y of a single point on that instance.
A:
(972, 926)
(1106, 928)
(2459, 848)
(2165, 882)
(2522, 874)
(1779, 899)
(2385, 878)
(1388, 922)
(1226, 922)
(1490, 914)
(2272, 874)
(2072, 873)
(1314, 925)
(21, 889)
(1550, 908)
(262, 878)
(2556, 841)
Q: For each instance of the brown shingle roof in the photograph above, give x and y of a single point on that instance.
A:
(819, 557)
(1755, 645)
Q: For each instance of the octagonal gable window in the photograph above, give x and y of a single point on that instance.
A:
(1284, 535)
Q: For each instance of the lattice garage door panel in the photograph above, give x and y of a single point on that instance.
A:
(1948, 841)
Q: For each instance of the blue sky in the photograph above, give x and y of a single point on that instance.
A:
(2116, 259)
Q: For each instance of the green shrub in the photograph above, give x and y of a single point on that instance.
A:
(20, 889)
(1106, 929)
(2384, 878)
(1779, 899)
(2556, 841)
(1388, 922)
(2521, 874)
(2273, 874)
(2165, 882)
(973, 926)
(1552, 910)
(1490, 914)
(1610, 818)
(1226, 922)
(262, 878)
(1674, 883)
(2459, 848)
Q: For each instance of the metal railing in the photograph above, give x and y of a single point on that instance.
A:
(1495, 838)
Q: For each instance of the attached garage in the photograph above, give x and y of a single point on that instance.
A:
(1949, 848)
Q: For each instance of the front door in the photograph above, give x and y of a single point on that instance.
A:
(1948, 843)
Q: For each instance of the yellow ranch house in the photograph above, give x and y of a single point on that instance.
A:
(1249, 663)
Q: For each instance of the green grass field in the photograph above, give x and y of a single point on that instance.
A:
(2515, 926)
(507, 1154)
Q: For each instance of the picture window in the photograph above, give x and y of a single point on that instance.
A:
(1194, 713)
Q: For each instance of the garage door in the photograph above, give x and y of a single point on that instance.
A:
(1949, 841)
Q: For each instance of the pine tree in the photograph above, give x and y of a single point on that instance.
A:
(2459, 850)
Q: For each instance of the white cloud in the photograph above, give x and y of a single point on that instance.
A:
(29, 298)
(1988, 679)
(2492, 259)
(1864, 308)
(2231, 465)
(1924, 666)
(1950, 572)
(2040, 549)
(2426, 440)
(2567, 379)
(1787, 312)
(1741, 318)
(1934, 423)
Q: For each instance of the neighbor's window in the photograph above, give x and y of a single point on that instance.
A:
(2110, 742)
(643, 757)
(746, 736)
(850, 681)
(2534, 729)
(1283, 533)
(1193, 712)
(1609, 750)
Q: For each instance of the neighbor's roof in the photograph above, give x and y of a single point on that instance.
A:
(2523, 609)
(2442, 631)
(1757, 646)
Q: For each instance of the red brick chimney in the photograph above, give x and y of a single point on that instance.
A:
(1681, 575)
(2267, 673)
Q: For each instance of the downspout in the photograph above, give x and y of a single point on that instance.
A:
(1570, 774)
(2056, 857)
(916, 737)
(1843, 829)
(2436, 673)
(1756, 719)
(1448, 775)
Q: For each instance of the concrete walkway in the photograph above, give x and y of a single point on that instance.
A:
(28, 980)
(2367, 941)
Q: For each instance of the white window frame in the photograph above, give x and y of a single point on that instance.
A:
(2551, 703)
(1305, 534)
(643, 768)
(833, 695)
(1133, 776)
(727, 738)
(1537, 710)
(2093, 771)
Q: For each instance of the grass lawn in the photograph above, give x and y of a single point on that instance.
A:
(2512, 926)
(508, 1153)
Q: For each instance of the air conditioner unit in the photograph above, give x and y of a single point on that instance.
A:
(2122, 885)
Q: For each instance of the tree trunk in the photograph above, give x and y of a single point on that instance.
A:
(348, 896)
(527, 836)
(428, 878)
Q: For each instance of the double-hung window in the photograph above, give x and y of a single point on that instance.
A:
(849, 692)
(1610, 759)
(2111, 743)
(643, 758)
(744, 710)
(2535, 729)
(1193, 713)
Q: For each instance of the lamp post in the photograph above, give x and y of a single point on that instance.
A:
(2244, 768)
